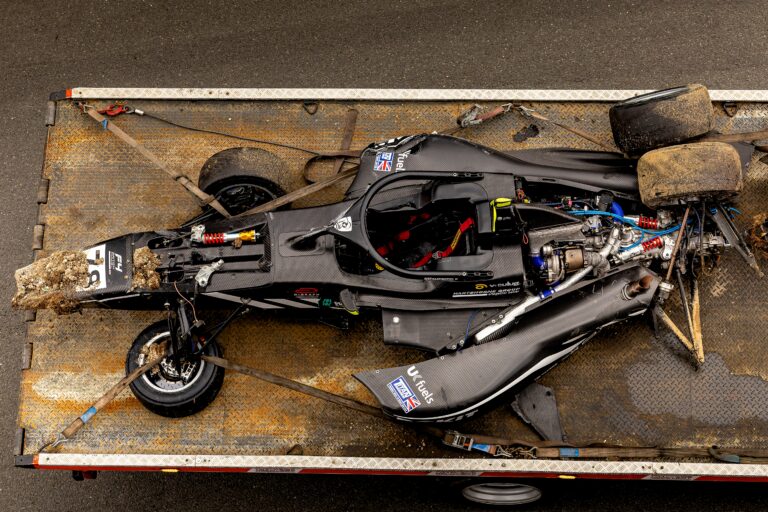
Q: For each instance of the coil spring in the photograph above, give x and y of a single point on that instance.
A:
(653, 243)
(213, 238)
(647, 222)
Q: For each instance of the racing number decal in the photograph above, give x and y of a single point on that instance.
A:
(97, 271)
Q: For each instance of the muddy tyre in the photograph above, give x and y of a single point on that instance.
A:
(661, 118)
(242, 178)
(162, 390)
(689, 171)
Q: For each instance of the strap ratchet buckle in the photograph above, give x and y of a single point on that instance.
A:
(458, 440)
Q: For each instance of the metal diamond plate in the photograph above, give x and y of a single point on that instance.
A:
(151, 93)
(624, 387)
(432, 466)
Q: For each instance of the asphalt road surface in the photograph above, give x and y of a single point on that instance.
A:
(46, 46)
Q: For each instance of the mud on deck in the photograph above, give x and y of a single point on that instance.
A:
(624, 387)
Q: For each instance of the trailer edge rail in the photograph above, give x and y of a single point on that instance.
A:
(301, 464)
(345, 94)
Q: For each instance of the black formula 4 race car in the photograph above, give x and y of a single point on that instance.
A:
(499, 264)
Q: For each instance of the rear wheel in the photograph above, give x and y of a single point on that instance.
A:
(166, 391)
(661, 118)
(242, 178)
(241, 193)
(689, 172)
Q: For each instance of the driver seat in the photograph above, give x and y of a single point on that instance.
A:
(438, 231)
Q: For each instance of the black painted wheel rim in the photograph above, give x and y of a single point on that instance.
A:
(240, 197)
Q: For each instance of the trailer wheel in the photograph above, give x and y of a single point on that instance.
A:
(501, 493)
(661, 118)
(689, 171)
(242, 178)
(162, 390)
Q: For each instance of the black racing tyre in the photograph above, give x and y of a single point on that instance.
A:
(499, 493)
(161, 390)
(689, 171)
(661, 118)
(242, 178)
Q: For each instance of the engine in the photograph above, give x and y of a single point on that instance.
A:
(601, 236)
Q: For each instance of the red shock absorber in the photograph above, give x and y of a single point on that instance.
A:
(647, 222)
(653, 243)
(213, 238)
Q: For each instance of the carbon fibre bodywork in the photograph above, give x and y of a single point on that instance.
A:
(443, 168)
(457, 386)
(584, 170)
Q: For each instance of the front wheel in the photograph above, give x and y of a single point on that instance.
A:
(163, 389)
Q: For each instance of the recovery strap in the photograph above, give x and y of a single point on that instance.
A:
(494, 446)
(79, 422)
(339, 157)
(180, 178)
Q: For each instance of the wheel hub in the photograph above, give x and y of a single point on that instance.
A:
(168, 369)
(241, 197)
(165, 377)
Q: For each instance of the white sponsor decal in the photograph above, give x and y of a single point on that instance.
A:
(115, 262)
(420, 384)
(400, 165)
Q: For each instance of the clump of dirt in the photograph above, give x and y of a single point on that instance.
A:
(145, 262)
(153, 352)
(758, 234)
(51, 282)
(526, 132)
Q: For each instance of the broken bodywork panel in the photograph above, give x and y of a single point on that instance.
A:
(455, 387)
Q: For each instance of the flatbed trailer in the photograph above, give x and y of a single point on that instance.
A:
(626, 387)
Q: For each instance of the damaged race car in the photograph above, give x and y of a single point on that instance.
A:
(498, 264)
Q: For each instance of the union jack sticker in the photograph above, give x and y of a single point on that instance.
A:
(383, 161)
(404, 394)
